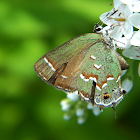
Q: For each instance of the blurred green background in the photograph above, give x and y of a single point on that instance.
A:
(29, 108)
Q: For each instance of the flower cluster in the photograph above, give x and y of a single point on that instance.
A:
(121, 22)
(122, 19)
(72, 105)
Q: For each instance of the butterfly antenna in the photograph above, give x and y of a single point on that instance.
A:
(97, 24)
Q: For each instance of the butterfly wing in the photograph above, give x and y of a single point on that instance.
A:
(60, 67)
(85, 65)
(100, 76)
(124, 65)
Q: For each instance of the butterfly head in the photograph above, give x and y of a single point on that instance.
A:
(104, 32)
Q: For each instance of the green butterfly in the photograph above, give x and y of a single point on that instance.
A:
(87, 65)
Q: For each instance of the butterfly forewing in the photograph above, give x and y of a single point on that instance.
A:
(60, 67)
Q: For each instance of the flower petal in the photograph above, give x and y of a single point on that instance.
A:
(124, 72)
(134, 19)
(127, 84)
(123, 43)
(81, 120)
(90, 106)
(67, 116)
(96, 111)
(73, 96)
(135, 40)
(117, 3)
(65, 103)
(80, 112)
(128, 30)
(132, 53)
(136, 7)
(116, 33)
(128, 1)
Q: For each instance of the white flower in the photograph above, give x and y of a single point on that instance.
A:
(90, 106)
(127, 84)
(135, 40)
(65, 103)
(96, 111)
(124, 72)
(118, 21)
(80, 112)
(134, 19)
(81, 120)
(132, 53)
(73, 96)
(67, 116)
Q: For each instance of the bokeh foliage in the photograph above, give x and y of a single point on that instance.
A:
(29, 108)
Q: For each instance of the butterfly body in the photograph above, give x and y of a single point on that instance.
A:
(87, 65)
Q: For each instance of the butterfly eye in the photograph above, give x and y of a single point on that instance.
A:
(98, 29)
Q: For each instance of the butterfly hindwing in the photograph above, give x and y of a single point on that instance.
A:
(102, 67)
(124, 65)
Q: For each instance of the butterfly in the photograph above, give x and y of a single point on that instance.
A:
(87, 65)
